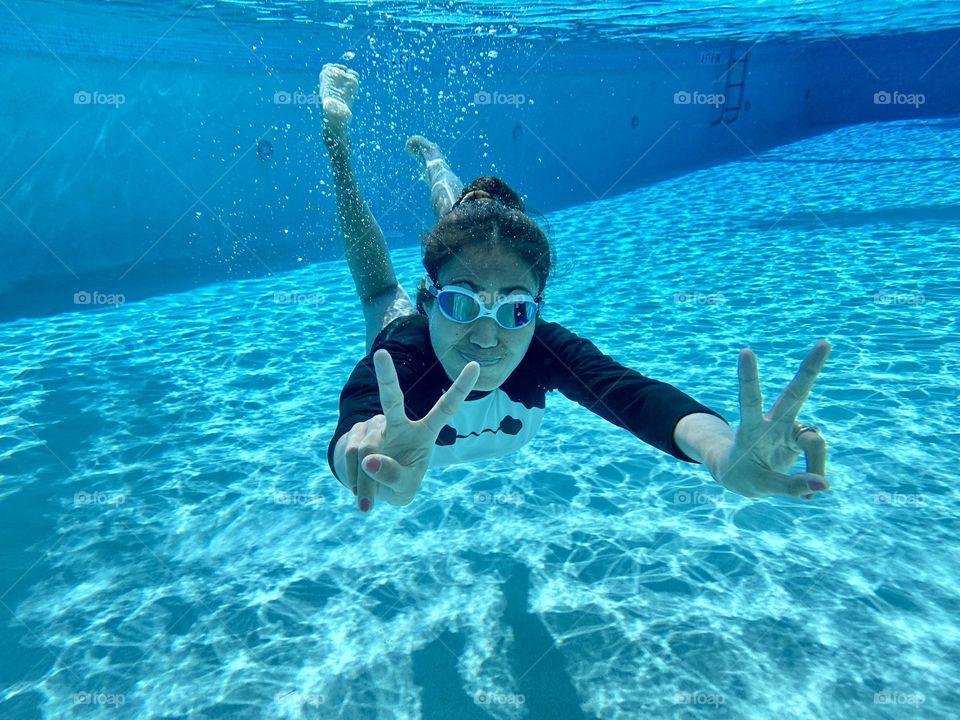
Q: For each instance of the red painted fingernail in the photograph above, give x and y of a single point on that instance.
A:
(364, 505)
(372, 464)
(354, 490)
(816, 485)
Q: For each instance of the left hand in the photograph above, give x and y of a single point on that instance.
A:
(767, 445)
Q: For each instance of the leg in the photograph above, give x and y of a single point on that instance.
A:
(383, 310)
(366, 249)
(445, 186)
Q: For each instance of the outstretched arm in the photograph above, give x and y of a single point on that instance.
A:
(704, 437)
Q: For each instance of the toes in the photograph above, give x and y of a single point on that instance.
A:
(419, 146)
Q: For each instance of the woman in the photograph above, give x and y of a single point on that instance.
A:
(464, 376)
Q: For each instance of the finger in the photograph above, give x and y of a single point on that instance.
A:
(391, 396)
(366, 488)
(366, 485)
(350, 458)
(351, 462)
(788, 405)
(815, 452)
(452, 399)
(751, 399)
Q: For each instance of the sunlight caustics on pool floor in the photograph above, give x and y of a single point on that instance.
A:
(173, 537)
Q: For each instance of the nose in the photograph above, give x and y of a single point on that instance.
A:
(484, 333)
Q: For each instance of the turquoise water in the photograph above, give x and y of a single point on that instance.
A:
(175, 544)
(623, 20)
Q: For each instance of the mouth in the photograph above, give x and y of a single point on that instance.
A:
(482, 362)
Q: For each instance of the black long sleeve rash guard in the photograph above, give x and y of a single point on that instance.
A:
(496, 422)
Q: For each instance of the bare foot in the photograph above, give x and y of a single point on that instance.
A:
(422, 149)
(338, 87)
(444, 186)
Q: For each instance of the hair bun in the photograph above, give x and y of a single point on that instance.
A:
(489, 187)
(476, 195)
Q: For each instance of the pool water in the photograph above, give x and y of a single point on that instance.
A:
(174, 545)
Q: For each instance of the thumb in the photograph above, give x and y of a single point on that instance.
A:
(771, 483)
(806, 483)
(383, 469)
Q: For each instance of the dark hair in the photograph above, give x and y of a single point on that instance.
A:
(490, 214)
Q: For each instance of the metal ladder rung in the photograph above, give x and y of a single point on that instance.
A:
(730, 113)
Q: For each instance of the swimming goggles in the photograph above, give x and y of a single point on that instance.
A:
(464, 306)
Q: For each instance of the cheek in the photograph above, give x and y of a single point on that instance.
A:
(444, 335)
(517, 345)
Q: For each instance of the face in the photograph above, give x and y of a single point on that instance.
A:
(492, 273)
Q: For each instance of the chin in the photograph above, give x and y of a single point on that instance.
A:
(484, 385)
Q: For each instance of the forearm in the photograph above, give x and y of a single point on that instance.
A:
(705, 438)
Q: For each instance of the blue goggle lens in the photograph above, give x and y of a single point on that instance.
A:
(463, 308)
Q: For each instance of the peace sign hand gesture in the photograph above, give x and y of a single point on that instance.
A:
(388, 454)
(767, 445)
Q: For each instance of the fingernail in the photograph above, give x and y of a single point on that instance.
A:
(371, 464)
(816, 485)
(365, 505)
(354, 490)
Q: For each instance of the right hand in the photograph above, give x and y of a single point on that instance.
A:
(402, 446)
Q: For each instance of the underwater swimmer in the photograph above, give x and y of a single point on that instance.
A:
(462, 375)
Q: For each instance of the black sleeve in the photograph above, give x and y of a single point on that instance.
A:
(648, 408)
(359, 401)
(360, 397)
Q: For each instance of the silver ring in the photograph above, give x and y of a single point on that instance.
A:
(802, 429)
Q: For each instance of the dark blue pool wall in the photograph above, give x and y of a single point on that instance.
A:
(168, 190)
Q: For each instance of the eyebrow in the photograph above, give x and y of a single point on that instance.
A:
(508, 288)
